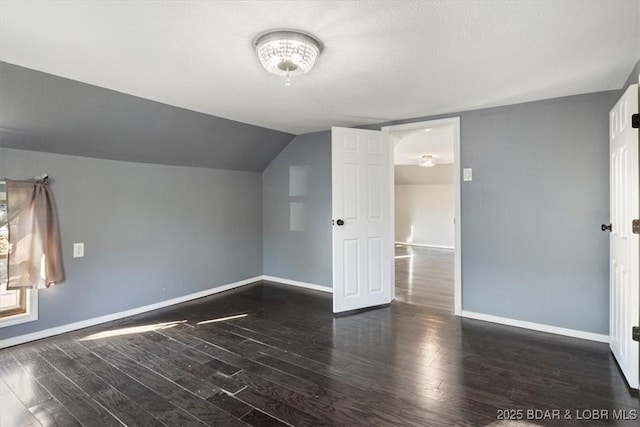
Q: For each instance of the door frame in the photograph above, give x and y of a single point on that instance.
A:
(457, 258)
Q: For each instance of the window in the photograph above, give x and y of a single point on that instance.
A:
(16, 306)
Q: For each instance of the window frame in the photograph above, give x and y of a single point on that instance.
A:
(29, 296)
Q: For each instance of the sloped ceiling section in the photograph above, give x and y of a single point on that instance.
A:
(436, 142)
(382, 60)
(43, 112)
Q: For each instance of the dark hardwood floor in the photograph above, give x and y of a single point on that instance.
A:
(424, 276)
(270, 355)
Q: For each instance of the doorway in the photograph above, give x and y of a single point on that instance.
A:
(427, 213)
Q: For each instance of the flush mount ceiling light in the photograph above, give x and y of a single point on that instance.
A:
(287, 53)
(427, 161)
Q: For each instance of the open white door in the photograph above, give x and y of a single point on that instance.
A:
(623, 276)
(363, 218)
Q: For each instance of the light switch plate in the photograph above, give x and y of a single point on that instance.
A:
(467, 174)
(78, 250)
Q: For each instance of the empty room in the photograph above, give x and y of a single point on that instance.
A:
(424, 208)
(310, 213)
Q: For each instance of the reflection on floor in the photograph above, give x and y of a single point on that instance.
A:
(269, 355)
(424, 276)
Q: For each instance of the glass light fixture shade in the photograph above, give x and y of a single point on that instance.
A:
(287, 53)
(427, 161)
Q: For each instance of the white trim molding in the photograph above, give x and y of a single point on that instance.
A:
(298, 284)
(536, 326)
(21, 339)
(421, 245)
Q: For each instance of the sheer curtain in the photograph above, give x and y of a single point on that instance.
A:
(34, 257)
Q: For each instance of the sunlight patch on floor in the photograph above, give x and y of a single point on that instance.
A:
(132, 330)
(222, 319)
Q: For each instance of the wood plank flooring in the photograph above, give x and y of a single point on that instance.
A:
(276, 356)
(424, 276)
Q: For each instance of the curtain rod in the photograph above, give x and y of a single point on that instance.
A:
(43, 176)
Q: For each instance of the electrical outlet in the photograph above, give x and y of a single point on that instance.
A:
(467, 174)
(78, 250)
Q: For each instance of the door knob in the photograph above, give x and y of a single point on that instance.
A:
(340, 222)
(605, 227)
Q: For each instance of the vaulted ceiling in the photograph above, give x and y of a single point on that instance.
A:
(382, 60)
(42, 112)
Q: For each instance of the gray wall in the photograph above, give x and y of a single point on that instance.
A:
(42, 112)
(297, 219)
(151, 232)
(532, 248)
(532, 245)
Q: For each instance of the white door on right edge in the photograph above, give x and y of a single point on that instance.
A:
(624, 298)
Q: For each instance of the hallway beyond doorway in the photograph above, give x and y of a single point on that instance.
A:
(424, 276)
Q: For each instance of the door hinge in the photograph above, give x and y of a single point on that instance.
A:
(635, 333)
(635, 226)
(635, 121)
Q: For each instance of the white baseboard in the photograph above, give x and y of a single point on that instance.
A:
(536, 326)
(120, 315)
(425, 246)
(298, 284)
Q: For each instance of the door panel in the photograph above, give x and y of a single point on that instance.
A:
(363, 246)
(375, 264)
(374, 210)
(351, 273)
(624, 245)
(351, 184)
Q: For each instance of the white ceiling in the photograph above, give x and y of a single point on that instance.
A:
(436, 142)
(382, 60)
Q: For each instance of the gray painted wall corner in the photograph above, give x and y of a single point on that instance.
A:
(47, 113)
(297, 211)
(531, 246)
(532, 249)
(151, 232)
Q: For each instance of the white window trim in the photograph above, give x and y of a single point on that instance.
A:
(32, 303)
(29, 316)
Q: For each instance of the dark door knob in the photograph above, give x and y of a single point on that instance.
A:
(340, 222)
(605, 227)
